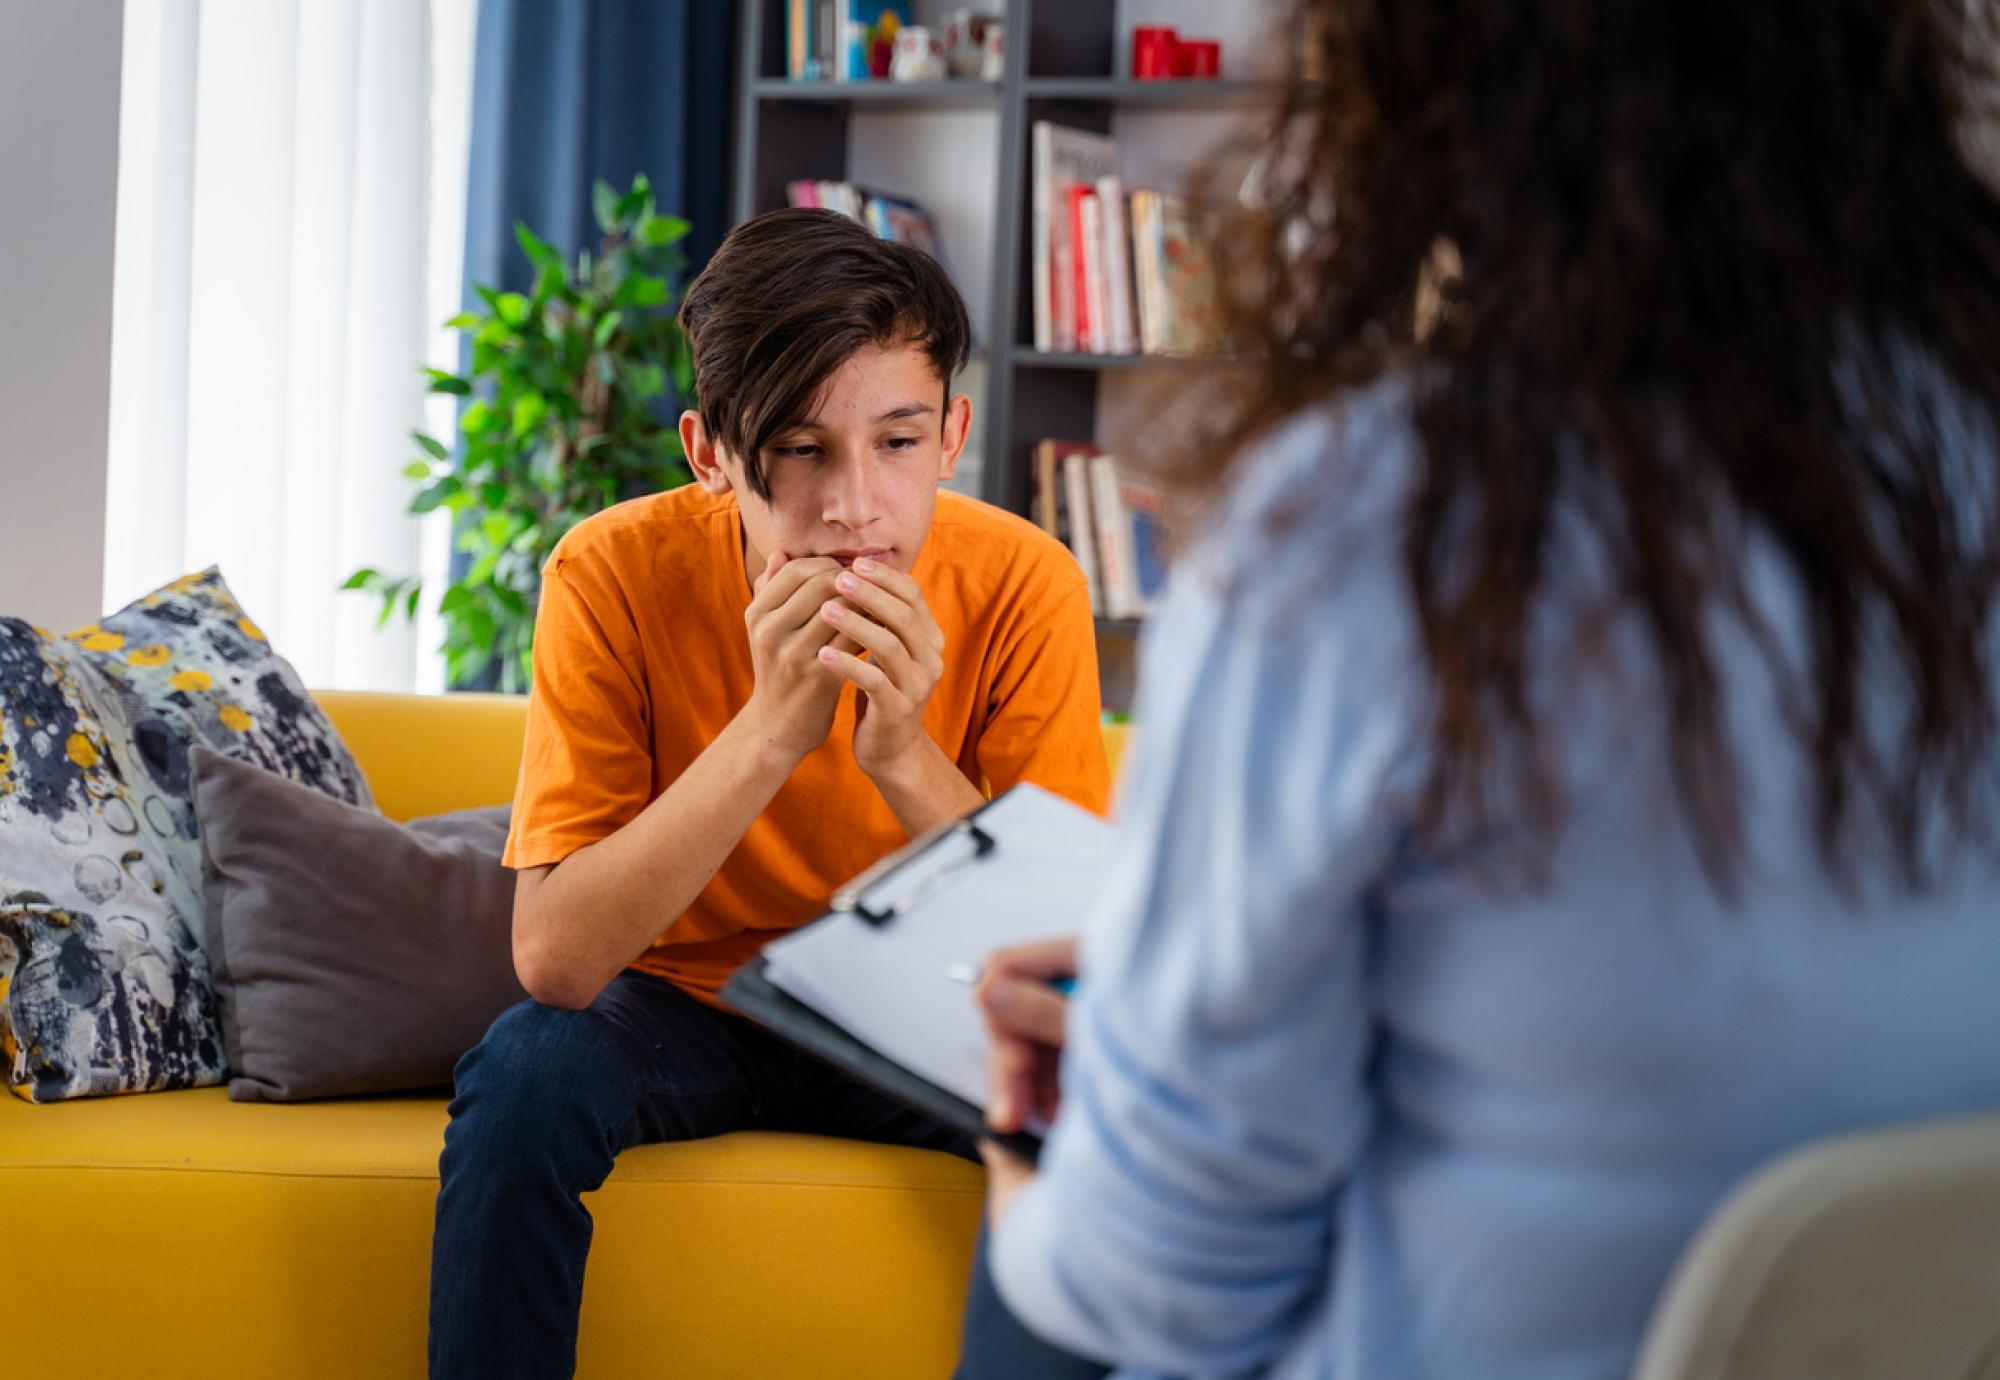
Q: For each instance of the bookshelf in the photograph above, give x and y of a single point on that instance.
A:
(1060, 59)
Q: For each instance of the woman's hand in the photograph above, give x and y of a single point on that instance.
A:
(1025, 1015)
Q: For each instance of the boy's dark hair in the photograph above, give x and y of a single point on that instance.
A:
(786, 300)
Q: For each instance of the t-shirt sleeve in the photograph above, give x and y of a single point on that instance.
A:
(1043, 723)
(587, 760)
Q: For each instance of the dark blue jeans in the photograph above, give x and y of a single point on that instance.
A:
(997, 1347)
(544, 1104)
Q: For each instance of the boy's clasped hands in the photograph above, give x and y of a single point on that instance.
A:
(811, 620)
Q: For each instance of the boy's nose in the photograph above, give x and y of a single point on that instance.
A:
(850, 499)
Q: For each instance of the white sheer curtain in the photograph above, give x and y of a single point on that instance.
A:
(291, 211)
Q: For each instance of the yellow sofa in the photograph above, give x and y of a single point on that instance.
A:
(184, 1235)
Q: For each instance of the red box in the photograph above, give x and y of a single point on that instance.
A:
(1199, 57)
(1153, 53)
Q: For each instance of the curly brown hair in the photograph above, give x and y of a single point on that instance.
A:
(1661, 265)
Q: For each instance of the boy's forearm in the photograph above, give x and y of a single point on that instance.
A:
(926, 788)
(605, 904)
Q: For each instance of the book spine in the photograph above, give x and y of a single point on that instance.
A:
(1039, 232)
(1114, 557)
(795, 39)
(1062, 268)
(1143, 513)
(1082, 539)
(802, 192)
(1042, 506)
(1117, 242)
(829, 38)
(1095, 274)
(1079, 262)
(1146, 255)
(847, 40)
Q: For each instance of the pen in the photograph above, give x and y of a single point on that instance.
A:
(968, 973)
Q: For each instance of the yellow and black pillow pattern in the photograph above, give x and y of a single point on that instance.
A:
(104, 983)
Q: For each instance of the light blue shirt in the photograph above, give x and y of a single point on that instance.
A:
(1335, 1111)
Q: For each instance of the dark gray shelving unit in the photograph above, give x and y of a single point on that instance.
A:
(1059, 59)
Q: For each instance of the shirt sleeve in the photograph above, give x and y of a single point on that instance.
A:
(1214, 1086)
(1043, 719)
(587, 760)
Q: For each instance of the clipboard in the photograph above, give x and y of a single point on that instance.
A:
(869, 986)
(750, 992)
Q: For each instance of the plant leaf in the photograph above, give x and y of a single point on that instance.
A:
(431, 444)
(362, 578)
(452, 384)
(659, 231)
(540, 252)
(604, 201)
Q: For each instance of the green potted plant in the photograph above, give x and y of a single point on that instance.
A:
(562, 420)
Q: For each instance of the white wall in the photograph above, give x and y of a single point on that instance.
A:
(59, 66)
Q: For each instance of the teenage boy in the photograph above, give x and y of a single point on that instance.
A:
(746, 691)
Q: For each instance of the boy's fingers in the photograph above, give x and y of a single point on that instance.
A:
(779, 585)
(891, 654)
(772, 565)
(890, 610)
(907, 592)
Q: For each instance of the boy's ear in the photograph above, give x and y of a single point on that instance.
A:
(704, 457)
(957, 427)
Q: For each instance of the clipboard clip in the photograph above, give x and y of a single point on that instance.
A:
(859, 895)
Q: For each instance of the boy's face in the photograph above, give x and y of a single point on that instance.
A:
(857, 478)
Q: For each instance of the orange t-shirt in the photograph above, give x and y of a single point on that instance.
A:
(641, 659)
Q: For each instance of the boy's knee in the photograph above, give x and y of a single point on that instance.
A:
(538, 1067)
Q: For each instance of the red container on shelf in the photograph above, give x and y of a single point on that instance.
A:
(1199, 57)
(1153, 53)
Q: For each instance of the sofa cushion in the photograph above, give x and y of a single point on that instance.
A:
(756, 1254)
(350, 954)
(103, 986)
(103, 983)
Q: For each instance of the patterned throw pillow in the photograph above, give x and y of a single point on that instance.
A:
(104, 985)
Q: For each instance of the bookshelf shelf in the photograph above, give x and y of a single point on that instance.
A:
(1120, 627)
(1027, 358)
(926, 95)
(1117, 91)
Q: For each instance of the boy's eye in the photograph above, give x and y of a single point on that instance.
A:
(902, 442)
(790, 452)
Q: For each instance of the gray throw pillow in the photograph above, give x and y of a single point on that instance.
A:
(349, 954)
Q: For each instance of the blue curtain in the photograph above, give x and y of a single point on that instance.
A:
(569, 91)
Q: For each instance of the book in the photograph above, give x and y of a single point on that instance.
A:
(1146, 271)
(1187, 276)
(1122, 334)
(843, 197)
(1046, 505)
(1082, 530)
(798, 40)
(1060, 157)
(802, 192)
(1144, 516)
(902, 222)
(1080, 221)
(1096, 280)
(1131, 547)
(1116, 575)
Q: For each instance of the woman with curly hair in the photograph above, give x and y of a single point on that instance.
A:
(1567, 774)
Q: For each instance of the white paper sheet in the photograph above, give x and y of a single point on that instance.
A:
(892, 986)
